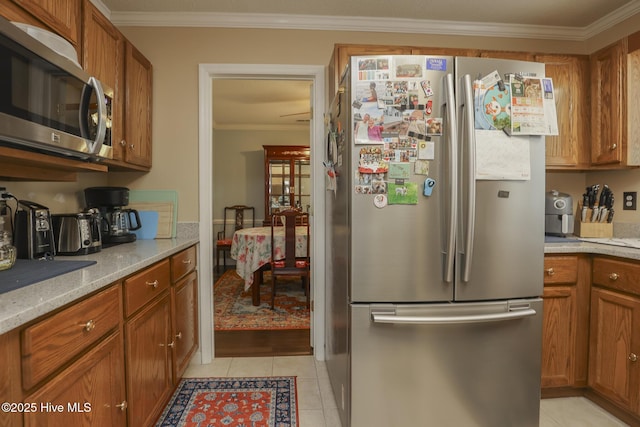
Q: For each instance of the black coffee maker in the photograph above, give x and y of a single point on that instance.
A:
(116, 220)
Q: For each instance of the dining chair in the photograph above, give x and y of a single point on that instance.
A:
(225, 237)
(284, 262)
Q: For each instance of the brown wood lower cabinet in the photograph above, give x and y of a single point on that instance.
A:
(90, 392)
(566, 322)
(185, 322)
(148, 358)
(111, 359)
(614, 370)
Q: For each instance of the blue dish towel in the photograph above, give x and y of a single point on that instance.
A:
(26, 272)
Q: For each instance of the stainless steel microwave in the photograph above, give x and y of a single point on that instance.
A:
(48, 103)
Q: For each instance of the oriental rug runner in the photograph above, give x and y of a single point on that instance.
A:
(233, 402)
(234, 311)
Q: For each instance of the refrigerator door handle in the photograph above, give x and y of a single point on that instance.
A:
(386, 317)
(450, 128)
(469, 139)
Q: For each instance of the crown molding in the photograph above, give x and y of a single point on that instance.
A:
(370, 24)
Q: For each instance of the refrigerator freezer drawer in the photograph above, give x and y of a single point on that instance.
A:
(463, 364)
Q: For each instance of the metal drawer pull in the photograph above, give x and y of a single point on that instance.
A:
(179, 335)
(90, 326)
(613, 147)
(443, 320)
(613, 276)
(122, 406)
(186, 261)
(633, 357)
(550, 271)
(171, 344)
(154, 284)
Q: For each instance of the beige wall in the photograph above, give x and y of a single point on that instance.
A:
(238, 166)
(176, 53)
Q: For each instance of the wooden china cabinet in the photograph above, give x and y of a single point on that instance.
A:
(287, 178)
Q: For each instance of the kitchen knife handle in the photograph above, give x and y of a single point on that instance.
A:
(468, 137)
(450, 128)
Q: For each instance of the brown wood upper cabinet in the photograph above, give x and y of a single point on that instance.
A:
(570, 149)
(615, 89)
(64, 17)
(108, 55)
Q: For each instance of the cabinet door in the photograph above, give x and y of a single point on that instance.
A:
(149, 380)
(185, 318)
(90, 392)
(302, 181)
(608, 124)
(137, 142)
(62, 16)
(615, 337)
(558, 336)
(570, 74)
(103, 57)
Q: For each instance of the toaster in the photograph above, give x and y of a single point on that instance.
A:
(77, 233)
(32, 235)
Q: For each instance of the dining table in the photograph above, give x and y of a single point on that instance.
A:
(251, 249)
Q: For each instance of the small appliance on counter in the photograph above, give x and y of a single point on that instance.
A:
(116, 221)
(558, 219)
(77, 233)
(33, 234)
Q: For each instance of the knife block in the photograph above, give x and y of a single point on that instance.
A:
(591, 229)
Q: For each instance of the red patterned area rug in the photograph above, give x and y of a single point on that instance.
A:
(233, 402)
(234, 311)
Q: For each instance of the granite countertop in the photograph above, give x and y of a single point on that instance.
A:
(558, 246)
(25, 304)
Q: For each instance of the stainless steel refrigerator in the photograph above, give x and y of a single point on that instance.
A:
(435, 270)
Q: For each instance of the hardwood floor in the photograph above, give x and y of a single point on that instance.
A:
(261, 343)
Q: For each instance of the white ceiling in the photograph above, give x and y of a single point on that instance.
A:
(262, 103)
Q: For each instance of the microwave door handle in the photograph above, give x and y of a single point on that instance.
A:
(85, 108)
(469, 140)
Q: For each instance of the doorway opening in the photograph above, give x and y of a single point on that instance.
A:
(210, 76)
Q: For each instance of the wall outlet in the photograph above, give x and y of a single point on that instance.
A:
(630, 199)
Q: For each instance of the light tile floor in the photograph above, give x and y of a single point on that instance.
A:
(317, 407)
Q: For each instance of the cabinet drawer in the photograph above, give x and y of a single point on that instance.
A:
(183, 263)
(52, 342)
(560, 269)
(146, 285)
(621, 275)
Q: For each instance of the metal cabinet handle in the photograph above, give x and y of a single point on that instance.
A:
(90, 326)
(179, 335)
(633, 357)
(153, 284)
(186, 261)
(613, 147)
(550, 271)
(122, 406)
(613, 276)
(131, 146)
(171, 344)
(123, 143)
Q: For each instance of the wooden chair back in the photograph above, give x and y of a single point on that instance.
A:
(290, 218)
(238, 213)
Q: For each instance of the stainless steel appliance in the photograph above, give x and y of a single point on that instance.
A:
(48, 103)
(116, 220)
(558, 218)
(434, 265)
(77, 233)
(33, 234)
